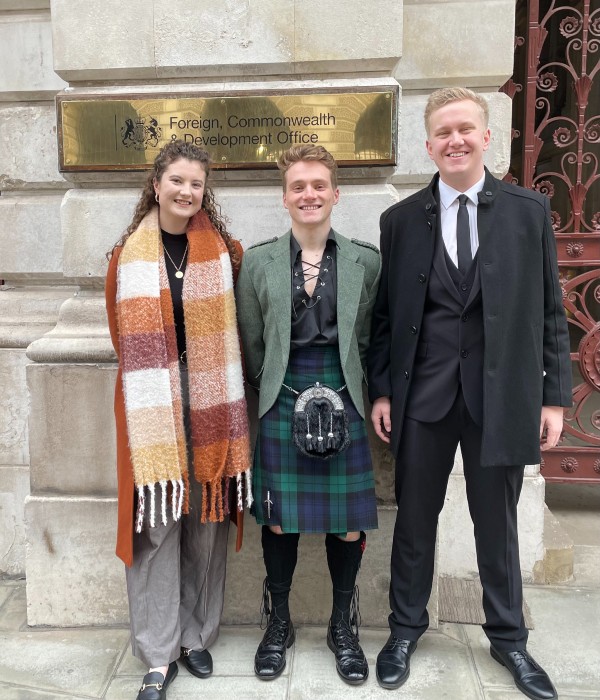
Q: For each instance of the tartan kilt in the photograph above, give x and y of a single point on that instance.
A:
(309, 494)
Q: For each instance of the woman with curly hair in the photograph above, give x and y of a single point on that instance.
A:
(182, 429)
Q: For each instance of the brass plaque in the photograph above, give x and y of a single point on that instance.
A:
(246, 131)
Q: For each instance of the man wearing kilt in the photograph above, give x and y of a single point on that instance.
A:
(304, 304)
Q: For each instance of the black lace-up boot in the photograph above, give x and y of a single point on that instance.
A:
(280, 553)
(344, 560)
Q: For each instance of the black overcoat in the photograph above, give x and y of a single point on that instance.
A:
(526, 354)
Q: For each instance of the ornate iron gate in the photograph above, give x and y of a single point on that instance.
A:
(556, 150)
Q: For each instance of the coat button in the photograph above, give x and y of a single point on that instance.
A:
(406, 375)
(421, 278)
(464, 287)
(413, 330)
(464, 353)
(464, 317)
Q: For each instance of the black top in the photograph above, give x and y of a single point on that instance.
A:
(175, 245)
(314, 319)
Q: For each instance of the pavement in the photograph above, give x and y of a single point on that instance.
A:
(452, 662)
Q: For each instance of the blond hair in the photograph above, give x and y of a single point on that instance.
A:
(297, 154)
(443, 96)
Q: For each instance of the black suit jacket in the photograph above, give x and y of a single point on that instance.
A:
(526, 360)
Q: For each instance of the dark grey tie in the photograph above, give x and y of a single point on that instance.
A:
(463, 236)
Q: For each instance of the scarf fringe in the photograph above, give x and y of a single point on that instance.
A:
(163, 502)
(177, 498)
(141, 507)
(249, 498)
(152, 495)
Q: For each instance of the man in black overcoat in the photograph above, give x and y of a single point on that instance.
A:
(469, 346)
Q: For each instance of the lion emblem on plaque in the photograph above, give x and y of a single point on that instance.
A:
(139, 135)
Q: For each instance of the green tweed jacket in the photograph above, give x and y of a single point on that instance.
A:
(264, 308)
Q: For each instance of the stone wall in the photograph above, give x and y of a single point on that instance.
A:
(57, 448)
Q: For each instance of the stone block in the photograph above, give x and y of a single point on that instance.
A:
(24, 5)
(72, 429)
(257, 213)
(14, 408)
(414, 163)
(558, 552)
(28, 313)
(92, 222)
(30, 237)
(124, 48)
(310, 600)
(26, 58)
(255, 37)
(73, 575)
(26, 130)
(80, 335)
(456, 544)
(465, 53)
(173, 39)
(344, 36)
(14, 489)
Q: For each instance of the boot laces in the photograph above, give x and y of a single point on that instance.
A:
(265, 607)
(344, 637)
(276, 632)
(350, 619)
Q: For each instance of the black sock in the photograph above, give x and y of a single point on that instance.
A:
(343, 559)
(280, 554)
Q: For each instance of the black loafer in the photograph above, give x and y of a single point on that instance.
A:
(393, 662)
(350, 660)
(530, 678)
(269, 661)
(198, 663)
(154, 685)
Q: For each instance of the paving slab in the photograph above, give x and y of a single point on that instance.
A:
(23, 693)
(441, 668)
(14, 611)
(565, 642)
(5, 593)
(233, 655)
(586, 566)
(69, 661)
(187, 687)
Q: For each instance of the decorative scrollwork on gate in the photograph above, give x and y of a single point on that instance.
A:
(581, 298)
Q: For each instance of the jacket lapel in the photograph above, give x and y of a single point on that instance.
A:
(485, 220)
(350, 277)
(278, 274)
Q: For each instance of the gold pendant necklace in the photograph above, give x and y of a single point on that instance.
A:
(178, 272)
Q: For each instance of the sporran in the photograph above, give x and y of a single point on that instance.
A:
(320, 422)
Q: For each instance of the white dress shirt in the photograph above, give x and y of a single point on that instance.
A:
(449, 211)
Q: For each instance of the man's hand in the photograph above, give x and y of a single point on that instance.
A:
(381, 418)
(550, 426)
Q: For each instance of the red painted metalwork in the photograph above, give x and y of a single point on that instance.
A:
(556, 150)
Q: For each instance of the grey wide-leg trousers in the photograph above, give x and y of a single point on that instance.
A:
(176, 583)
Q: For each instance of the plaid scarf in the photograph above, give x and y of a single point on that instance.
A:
(150, 366)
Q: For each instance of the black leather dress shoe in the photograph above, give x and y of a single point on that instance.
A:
(154, 685)
(198, 663)
(393, 662)
(350, 660)
(269, 661)
(530, 677)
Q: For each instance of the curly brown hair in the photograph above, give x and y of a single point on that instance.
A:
(171, 152)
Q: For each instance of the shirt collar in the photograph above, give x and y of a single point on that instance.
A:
(295, 246)
(448, 194)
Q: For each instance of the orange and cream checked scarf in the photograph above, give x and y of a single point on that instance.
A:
(151, 383)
